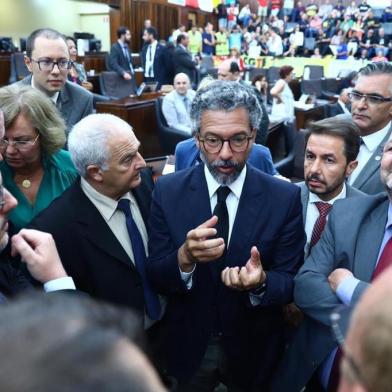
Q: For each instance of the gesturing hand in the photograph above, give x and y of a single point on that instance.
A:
(199, 247)
(248, 277)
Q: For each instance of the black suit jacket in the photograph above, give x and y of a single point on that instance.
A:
(183, 63)
(12, 278)
(90, 252)
(117, 61)
(333, 110)
(158, 71)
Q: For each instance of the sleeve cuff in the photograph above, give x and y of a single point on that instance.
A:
(186, 277)
(346, 289)
(65, 283)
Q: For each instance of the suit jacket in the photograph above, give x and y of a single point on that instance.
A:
(183, 63)
(117, 61)
(369, 180)
(352, 240)
(174, 110)
(333, 110)
(156, 67)
(269, 216)
(74, 102)
(187, 154)
(90, 252)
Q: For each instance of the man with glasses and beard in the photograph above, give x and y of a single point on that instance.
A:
(48, 60)
(225, 242)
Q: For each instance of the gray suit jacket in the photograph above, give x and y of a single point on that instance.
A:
(74, 102)
(352, 240)
(368, 180)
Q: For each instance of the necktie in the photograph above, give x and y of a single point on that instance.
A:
(385, 260)
(153, 307)
(186, 103)
(126, 53)
(320, 222)
(221, 212)
(150, 60)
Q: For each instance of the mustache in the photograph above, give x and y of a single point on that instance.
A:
(224, 163)
(314, 177)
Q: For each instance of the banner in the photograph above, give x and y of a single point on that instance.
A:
(177, 2)
(204, 5)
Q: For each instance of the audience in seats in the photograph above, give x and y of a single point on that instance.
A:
(77, 73)
(35, 169)
(176, 105)
(225, 243)
(120, 58)
(48, 60)
(371, 109)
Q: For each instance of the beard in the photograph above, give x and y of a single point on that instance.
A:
(328, 188)
(223, 178)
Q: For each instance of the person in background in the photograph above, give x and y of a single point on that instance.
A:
(152, 50)
(176, 105)
(283, 104)
(221, 42)
(221, 12)
(195, 41)
(35, 168)
(77, 73)
(120, 58)
(261, 84)
(208, 47)
(235, 55)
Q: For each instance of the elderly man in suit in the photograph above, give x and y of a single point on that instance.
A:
(354, 249)
(120, 58)
(331, 149)
(341, 106)
(99, 223)
(182, 59)
(371, 109)
(47, 58)
(176, 105)
(225, 241)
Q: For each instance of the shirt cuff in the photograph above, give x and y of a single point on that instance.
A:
(65, 283)
(346, 288)
(186, 277)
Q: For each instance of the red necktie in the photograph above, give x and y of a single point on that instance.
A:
(320, 222)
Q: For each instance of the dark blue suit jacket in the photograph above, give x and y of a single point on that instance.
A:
(117, 61)
(158, 71)
(269, 216)
(188, 154)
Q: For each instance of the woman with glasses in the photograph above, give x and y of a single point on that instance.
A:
(35, 169)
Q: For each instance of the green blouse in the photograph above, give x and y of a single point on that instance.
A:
(59, 174)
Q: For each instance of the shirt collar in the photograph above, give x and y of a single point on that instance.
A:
(104, 204)
(313, 198)
(373, 140)
(54, 97)
(389, 220)
(235, 187)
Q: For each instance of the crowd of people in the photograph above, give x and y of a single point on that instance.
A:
(238, 279)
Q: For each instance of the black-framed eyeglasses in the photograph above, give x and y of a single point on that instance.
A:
(18, 144)
(370, 98)
(237, 143)
(48, 65)
(339, 317)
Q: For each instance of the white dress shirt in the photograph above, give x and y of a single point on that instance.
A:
(369, 145)
(150, 57)
(312, 213)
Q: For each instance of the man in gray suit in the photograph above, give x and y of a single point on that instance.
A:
(177, 104)
(331, 149)
(371, 108)
(47, 58)
(351, 251)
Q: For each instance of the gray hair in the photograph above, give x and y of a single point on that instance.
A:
(228, 96)
(39, 109)
(88, 140)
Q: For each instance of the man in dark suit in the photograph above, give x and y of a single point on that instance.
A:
(47, 58)
(89, 222)
(225, 241)
(342, 106)
(182, 60)
(120, 58)
(371, 109)
(151, 52)
(354, 249)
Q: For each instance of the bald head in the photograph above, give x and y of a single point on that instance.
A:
(228, 70)
(182, 83)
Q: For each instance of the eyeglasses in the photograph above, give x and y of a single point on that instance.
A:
(237, 143)
(48, 65)
(372, 99)
(18, 144)
(337, 317)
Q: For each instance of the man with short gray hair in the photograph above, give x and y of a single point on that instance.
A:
(225, 242)
(99, 223)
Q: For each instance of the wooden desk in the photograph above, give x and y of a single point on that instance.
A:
(140, 113)
(304, 116)
(5, 68)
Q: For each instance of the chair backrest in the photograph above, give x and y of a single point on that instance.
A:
(114, 86)
(18, 67)
(331, 85)
(311, 87)
(314, 72)
(310, 43)
(168, 137)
